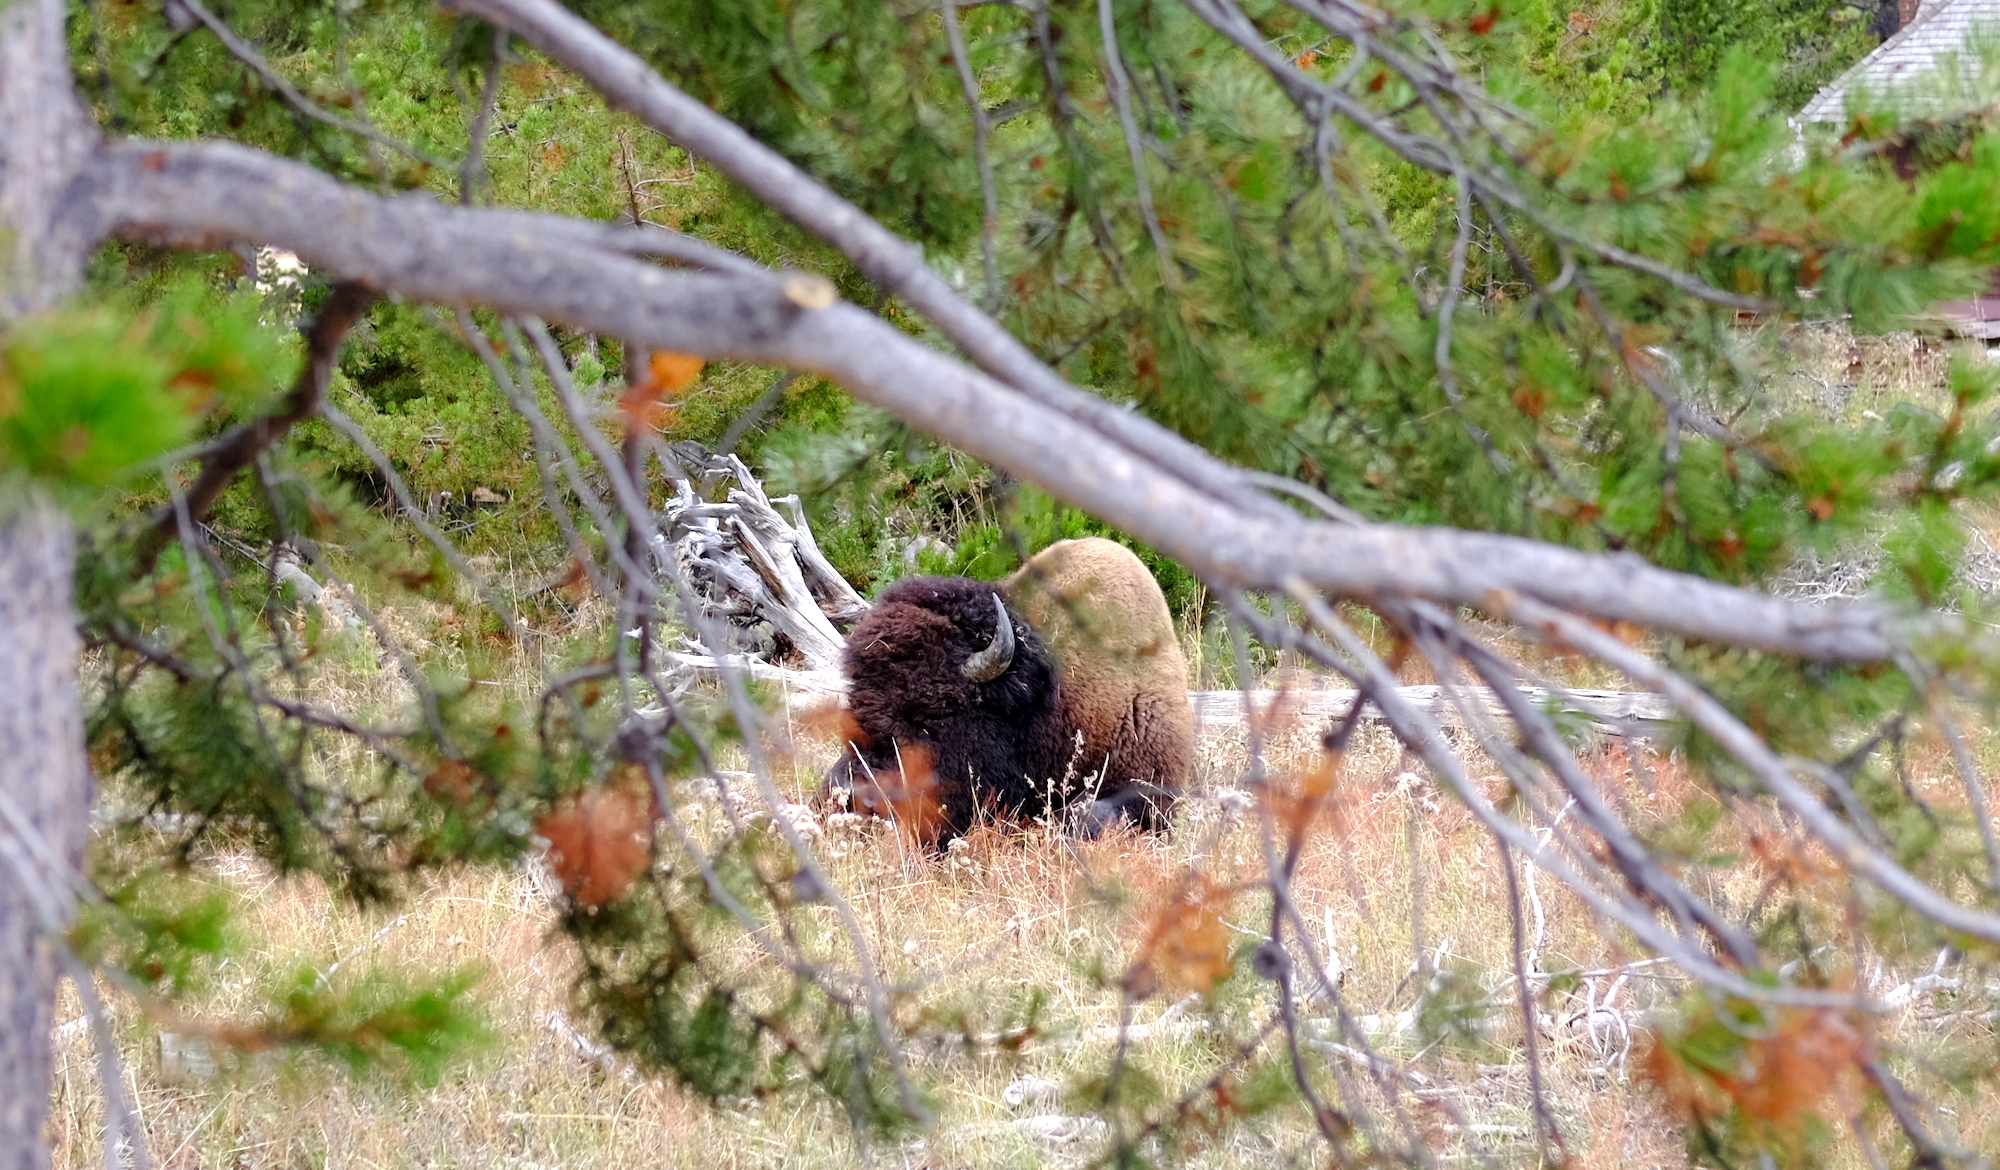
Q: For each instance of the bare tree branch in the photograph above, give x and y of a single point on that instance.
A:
(893, 263)
(1772, 772)
(981, 129)
(209, 194)
(1425, 150)
(247, 53)
(1118, 85)
(472, 171)
(339, 421)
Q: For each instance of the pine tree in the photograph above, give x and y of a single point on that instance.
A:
(1352, 315)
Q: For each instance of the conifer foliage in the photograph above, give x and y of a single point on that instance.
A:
(1389, 325)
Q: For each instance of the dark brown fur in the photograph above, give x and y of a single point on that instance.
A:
(1111, 723)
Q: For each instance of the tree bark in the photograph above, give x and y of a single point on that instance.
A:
(46, 140)
(45, 788)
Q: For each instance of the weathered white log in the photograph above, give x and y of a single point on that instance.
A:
(753, 568)
(1226, 712)
(849, 605)
(803, 687)
(796, 613)
(1216, 712)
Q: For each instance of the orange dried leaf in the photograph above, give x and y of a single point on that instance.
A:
(1788, 1075)
(673, 372)
(646, 404)
(1187, 943)
(597, 844)
(451, 782)
(1297, 802)
(830, 719)
(644, 408)
(909, 795)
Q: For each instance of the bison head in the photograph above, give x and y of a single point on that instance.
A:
(953, 701)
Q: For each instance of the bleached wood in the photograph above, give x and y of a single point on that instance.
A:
(1218, 713)
(748, 563)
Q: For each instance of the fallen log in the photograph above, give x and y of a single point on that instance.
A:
(1615, 712)
(1218, 713)
(754, 569)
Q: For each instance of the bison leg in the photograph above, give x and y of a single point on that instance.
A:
(1134, 807)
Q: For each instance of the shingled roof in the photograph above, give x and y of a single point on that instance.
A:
(1941, 28)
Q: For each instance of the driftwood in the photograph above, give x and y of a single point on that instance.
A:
(1618, 712)
(754, 569)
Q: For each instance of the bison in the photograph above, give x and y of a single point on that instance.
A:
(959, 701)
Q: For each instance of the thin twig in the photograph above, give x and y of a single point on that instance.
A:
(340, 421)
(1748, 748)
(233, 450)
(989, 222)
(1118, 85)
(473, 170)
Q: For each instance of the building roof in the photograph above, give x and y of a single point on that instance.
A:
(1940, 29)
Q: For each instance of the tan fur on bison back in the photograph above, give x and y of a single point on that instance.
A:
(1123, 678)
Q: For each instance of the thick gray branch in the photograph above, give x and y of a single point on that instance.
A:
(527, 264)
(893, 263)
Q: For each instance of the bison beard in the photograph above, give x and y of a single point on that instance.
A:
(946, 724)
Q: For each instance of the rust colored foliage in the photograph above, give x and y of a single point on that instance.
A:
(1777, 1070)
(830, 719)
(647, 404)
(598, 843)
(1298, 802)
(1186, 945)
(908, 795)
(452, 782)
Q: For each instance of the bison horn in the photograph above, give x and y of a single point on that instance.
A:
(992, 662)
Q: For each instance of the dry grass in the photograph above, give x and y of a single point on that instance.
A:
(1851, 379)
(1015, 909)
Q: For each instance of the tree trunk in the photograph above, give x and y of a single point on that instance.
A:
(45, 786)
(46, 137)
